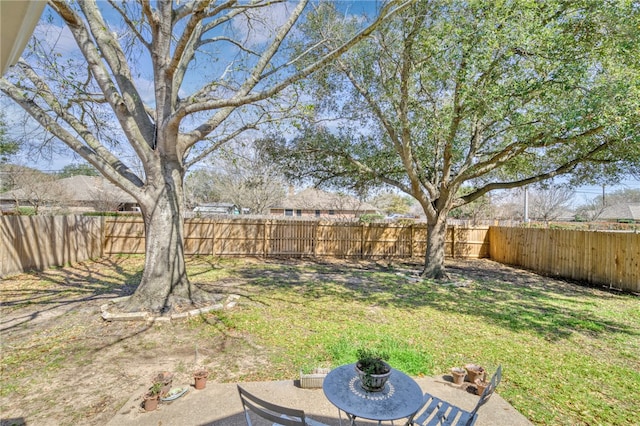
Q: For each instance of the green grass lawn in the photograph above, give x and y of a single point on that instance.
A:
(570, 355)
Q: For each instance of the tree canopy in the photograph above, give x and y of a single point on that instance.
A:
(241, 175)
(487, 95)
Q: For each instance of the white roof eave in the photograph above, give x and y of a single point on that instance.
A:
(18, 20)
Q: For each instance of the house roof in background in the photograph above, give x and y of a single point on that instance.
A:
(18, 19)
(315, 199)
(621, 211)
(76, 188)
(89, 188)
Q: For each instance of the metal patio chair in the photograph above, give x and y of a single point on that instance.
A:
(273, 413)
(435, 411)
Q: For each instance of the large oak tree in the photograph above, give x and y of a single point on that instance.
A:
(214, 69)
(473, 95)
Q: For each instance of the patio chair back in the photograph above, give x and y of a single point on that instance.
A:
(488, 391)
(274, 413)
(438, 412)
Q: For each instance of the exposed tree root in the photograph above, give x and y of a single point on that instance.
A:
(173, 304)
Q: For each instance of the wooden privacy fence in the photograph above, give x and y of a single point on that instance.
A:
(602, 258)
(266, 237)
(38, 242)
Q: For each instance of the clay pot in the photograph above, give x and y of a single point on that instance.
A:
(474, 372)
(200, 378)
(458, 375)
(481, 385)
(151, 402)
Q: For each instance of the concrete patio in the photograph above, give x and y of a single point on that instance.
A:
(219, 405)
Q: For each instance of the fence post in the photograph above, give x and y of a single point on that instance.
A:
(264, 238)
(453, 242)
(214, 229)
(314, 242)
(362, 241)
(411, 240)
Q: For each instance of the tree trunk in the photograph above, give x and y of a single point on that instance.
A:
(165, 285)
(434, 256)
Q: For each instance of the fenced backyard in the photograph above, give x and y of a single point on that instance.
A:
(569, 353)
(598, 258)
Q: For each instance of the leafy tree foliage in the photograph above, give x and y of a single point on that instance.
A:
(488, 95)
(200, 188)
(476, 210)
(78, 169)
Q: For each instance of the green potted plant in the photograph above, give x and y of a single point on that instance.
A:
(152, 396)
(372, 369)
(165, 378)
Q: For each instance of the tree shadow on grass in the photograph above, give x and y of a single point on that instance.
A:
(523, 301)
(40, 295)
(515, 299)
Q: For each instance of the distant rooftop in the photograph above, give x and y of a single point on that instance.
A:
(621, 211)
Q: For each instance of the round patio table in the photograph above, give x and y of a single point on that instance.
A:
(400, 398)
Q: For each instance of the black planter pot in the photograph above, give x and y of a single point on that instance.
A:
(373, 382)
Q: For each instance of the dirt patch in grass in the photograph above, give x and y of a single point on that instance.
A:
(62, 364)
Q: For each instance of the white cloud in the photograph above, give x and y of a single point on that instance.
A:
(55, 38)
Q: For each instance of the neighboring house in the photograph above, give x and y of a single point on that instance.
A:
(315, 203)
(76, 194)
(623, 212)
(216, 208)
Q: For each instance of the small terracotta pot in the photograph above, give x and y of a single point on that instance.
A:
(474, 372)
(151, 402)
(200, 378)
(481, 385)
(458, 375)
